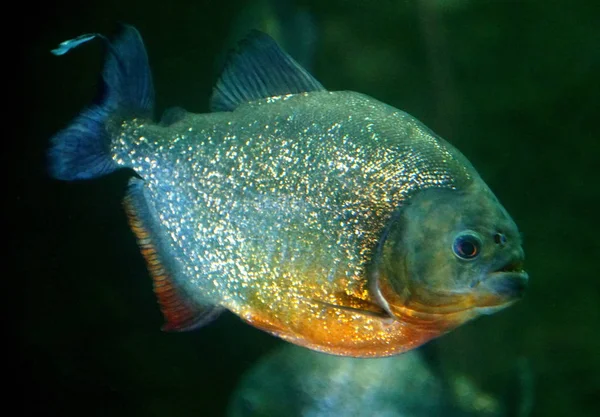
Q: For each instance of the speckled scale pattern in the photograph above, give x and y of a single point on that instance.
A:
(283, 200)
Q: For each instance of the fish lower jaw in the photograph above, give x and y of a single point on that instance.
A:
(486, 311)
(503, 287)
(439, 311)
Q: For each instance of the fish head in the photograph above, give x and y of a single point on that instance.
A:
(448, 256)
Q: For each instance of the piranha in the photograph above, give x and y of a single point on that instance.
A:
(326, 218)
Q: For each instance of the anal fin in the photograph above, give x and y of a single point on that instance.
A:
(181, 313)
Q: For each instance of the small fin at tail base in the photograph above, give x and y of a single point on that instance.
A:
(82, 150)
(172, 115)
(180, 312)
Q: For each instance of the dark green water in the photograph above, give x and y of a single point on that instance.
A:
(513, 84)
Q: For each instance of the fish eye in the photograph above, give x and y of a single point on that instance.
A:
(467, 245)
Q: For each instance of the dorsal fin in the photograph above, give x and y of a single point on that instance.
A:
(259, 69)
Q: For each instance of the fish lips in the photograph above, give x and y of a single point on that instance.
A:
(502, 287)
(507, 285)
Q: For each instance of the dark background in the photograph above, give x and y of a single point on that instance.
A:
(513, 84)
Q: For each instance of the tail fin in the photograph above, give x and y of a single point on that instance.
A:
(82, 150)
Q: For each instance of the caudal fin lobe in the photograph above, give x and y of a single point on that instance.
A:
(82, 150)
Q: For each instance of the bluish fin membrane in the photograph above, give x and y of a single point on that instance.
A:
(257, 70)
(67, 45)
(180, 312)
(127, 74)
(81, 151)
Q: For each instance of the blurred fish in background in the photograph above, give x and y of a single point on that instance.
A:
(297, 382)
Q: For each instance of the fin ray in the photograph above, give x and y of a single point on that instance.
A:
(257, 70)
(180, 311)
(81, 150)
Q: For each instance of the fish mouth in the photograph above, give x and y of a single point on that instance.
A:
(514, 266)
(508, 283)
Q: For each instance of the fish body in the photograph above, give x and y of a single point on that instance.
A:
(329, 219)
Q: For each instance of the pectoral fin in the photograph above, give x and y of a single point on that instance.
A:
(355, 305)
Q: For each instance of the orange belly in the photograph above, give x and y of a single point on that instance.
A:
(345, 331)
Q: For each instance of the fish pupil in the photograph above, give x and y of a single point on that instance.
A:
(466, 246)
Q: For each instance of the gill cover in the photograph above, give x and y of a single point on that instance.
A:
(441, 250)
